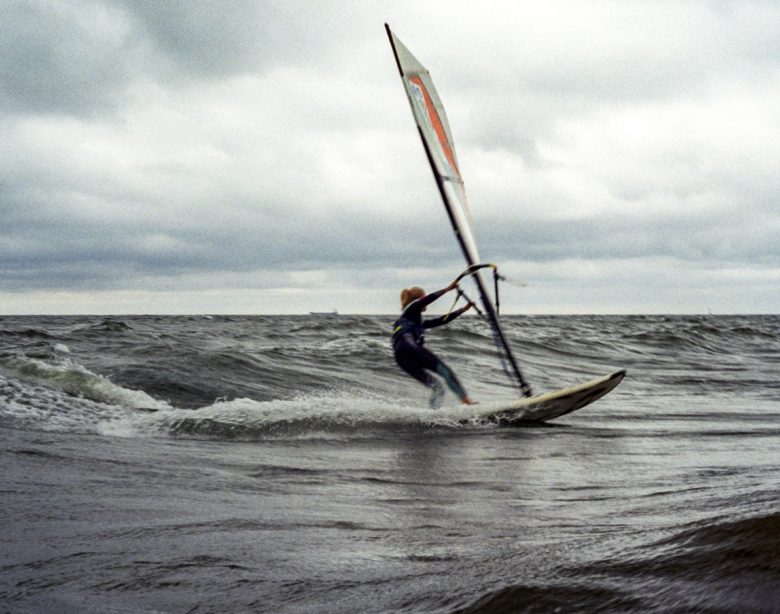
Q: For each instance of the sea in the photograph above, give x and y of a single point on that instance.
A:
(286, 464)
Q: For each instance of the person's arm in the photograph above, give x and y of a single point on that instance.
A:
(434, 322)
(429, 298)
(414, 309)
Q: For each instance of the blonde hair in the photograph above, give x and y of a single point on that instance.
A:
(411, 294)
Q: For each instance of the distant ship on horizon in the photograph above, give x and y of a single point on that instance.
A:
(324, 313)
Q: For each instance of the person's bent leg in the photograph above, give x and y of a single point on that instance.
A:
(452, 380)
(412, 362)
(430, 361)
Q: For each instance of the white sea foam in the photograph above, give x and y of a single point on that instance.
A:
(79, 381)
(335, 413)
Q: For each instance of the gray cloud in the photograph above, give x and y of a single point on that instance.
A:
(81, 57)
(197, 146)
(63, 57)
(216, 39)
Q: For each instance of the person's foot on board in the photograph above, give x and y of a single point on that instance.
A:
(468, 401)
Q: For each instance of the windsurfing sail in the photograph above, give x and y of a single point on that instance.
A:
(437, 141)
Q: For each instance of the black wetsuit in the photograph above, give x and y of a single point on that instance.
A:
(416, 360)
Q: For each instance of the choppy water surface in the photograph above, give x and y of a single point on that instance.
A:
(285, 464)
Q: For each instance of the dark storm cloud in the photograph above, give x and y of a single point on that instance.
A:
(63, 57)
(204, 38)
(77, 237)
(213, 39)
(727, 238)
(81, 57)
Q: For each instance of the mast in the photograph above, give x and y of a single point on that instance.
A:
(434, 132)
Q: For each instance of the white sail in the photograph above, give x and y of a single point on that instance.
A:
(435, 131)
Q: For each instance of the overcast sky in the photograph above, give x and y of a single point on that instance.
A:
(261, 157)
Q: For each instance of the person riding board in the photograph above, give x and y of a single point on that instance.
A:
(409, 338)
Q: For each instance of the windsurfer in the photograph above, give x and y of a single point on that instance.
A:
(409, 337)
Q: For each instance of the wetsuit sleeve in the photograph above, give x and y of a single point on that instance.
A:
(413, 311)
(429, 298)
(434, 322)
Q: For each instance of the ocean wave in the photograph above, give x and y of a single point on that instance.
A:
(733, 564)
(74, 379)
(287, 368)
(543, 597)
(63, 395)
(702, 334)
(724, 547)
(29, 333)
(108, 325)
(35, 406)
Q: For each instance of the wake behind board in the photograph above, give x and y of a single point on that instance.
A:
(552, 404)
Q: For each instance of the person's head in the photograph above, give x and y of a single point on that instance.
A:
(411, 294)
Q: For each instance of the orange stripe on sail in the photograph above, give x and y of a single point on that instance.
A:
(438, 127)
